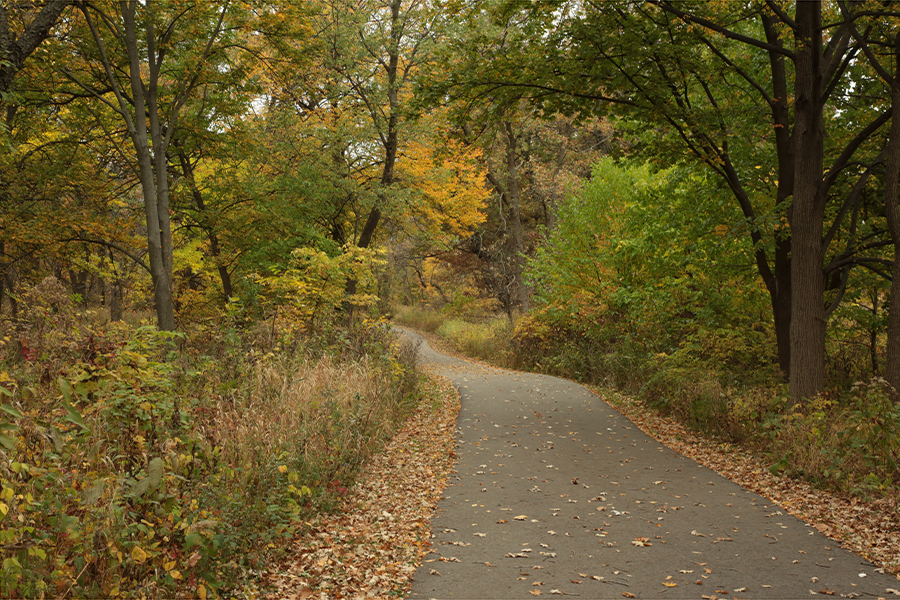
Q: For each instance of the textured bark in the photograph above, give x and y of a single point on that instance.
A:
(780, 288)
(807, 377)
(14, 50)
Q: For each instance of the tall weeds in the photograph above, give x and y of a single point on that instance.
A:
(140, 463)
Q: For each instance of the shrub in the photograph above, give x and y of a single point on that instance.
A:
(488, 341)
(135, 462)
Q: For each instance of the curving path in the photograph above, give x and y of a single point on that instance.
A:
(557, 494)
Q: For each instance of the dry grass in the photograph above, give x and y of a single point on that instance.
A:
(311, 412)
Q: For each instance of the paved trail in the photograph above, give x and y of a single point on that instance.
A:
(558, 493)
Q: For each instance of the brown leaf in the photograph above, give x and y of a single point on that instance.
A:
(641, 541)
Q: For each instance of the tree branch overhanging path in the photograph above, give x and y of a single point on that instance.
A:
(560, 494)
(741, 88)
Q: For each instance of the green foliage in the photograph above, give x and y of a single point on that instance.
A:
(642, 272)
(847, 442)
(148, 463)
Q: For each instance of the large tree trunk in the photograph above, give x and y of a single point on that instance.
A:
(780, 288)
(807, 214)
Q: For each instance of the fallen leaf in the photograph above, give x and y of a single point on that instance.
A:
(521, 517)
(641, 541)
(433, 572)
(669, 584)
(502, 521)
(739, 590)
(827, 592)
(628, 594)
(535, 592)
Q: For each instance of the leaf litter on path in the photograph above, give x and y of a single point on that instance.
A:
(868, 528)
(370, 547)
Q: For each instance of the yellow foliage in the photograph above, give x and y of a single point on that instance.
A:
(451, 184)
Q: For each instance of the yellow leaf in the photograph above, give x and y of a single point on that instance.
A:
(175, 574)
(4, 509)
(201, 592)
(139, 555)
(669, 584)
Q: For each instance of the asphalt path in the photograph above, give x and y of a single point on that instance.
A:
(557, 494)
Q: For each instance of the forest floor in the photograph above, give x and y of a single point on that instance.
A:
(371, 546)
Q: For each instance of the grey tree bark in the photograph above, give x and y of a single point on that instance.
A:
(807, 213)
(149, 126)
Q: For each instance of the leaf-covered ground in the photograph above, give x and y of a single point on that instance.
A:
(371, 546)
(868, 528)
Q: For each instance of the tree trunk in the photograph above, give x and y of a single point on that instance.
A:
(16, 46)
(390, 139)
(160, 267)
(780, 287)
(781, 304)
(515, 215)
(807, 378)
(115, 292)
(214, 250)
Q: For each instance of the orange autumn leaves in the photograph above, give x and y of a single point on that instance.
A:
(450, 184)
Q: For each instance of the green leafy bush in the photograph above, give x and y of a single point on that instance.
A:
(135, 462)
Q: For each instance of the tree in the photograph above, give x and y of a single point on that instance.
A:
(153, 58)
(22, 29)
(881, 46)
(734, 86)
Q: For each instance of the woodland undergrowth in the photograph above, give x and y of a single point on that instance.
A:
(139, 463)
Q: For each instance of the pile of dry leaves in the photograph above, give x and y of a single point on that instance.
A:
(871, 529)
(371, 546)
